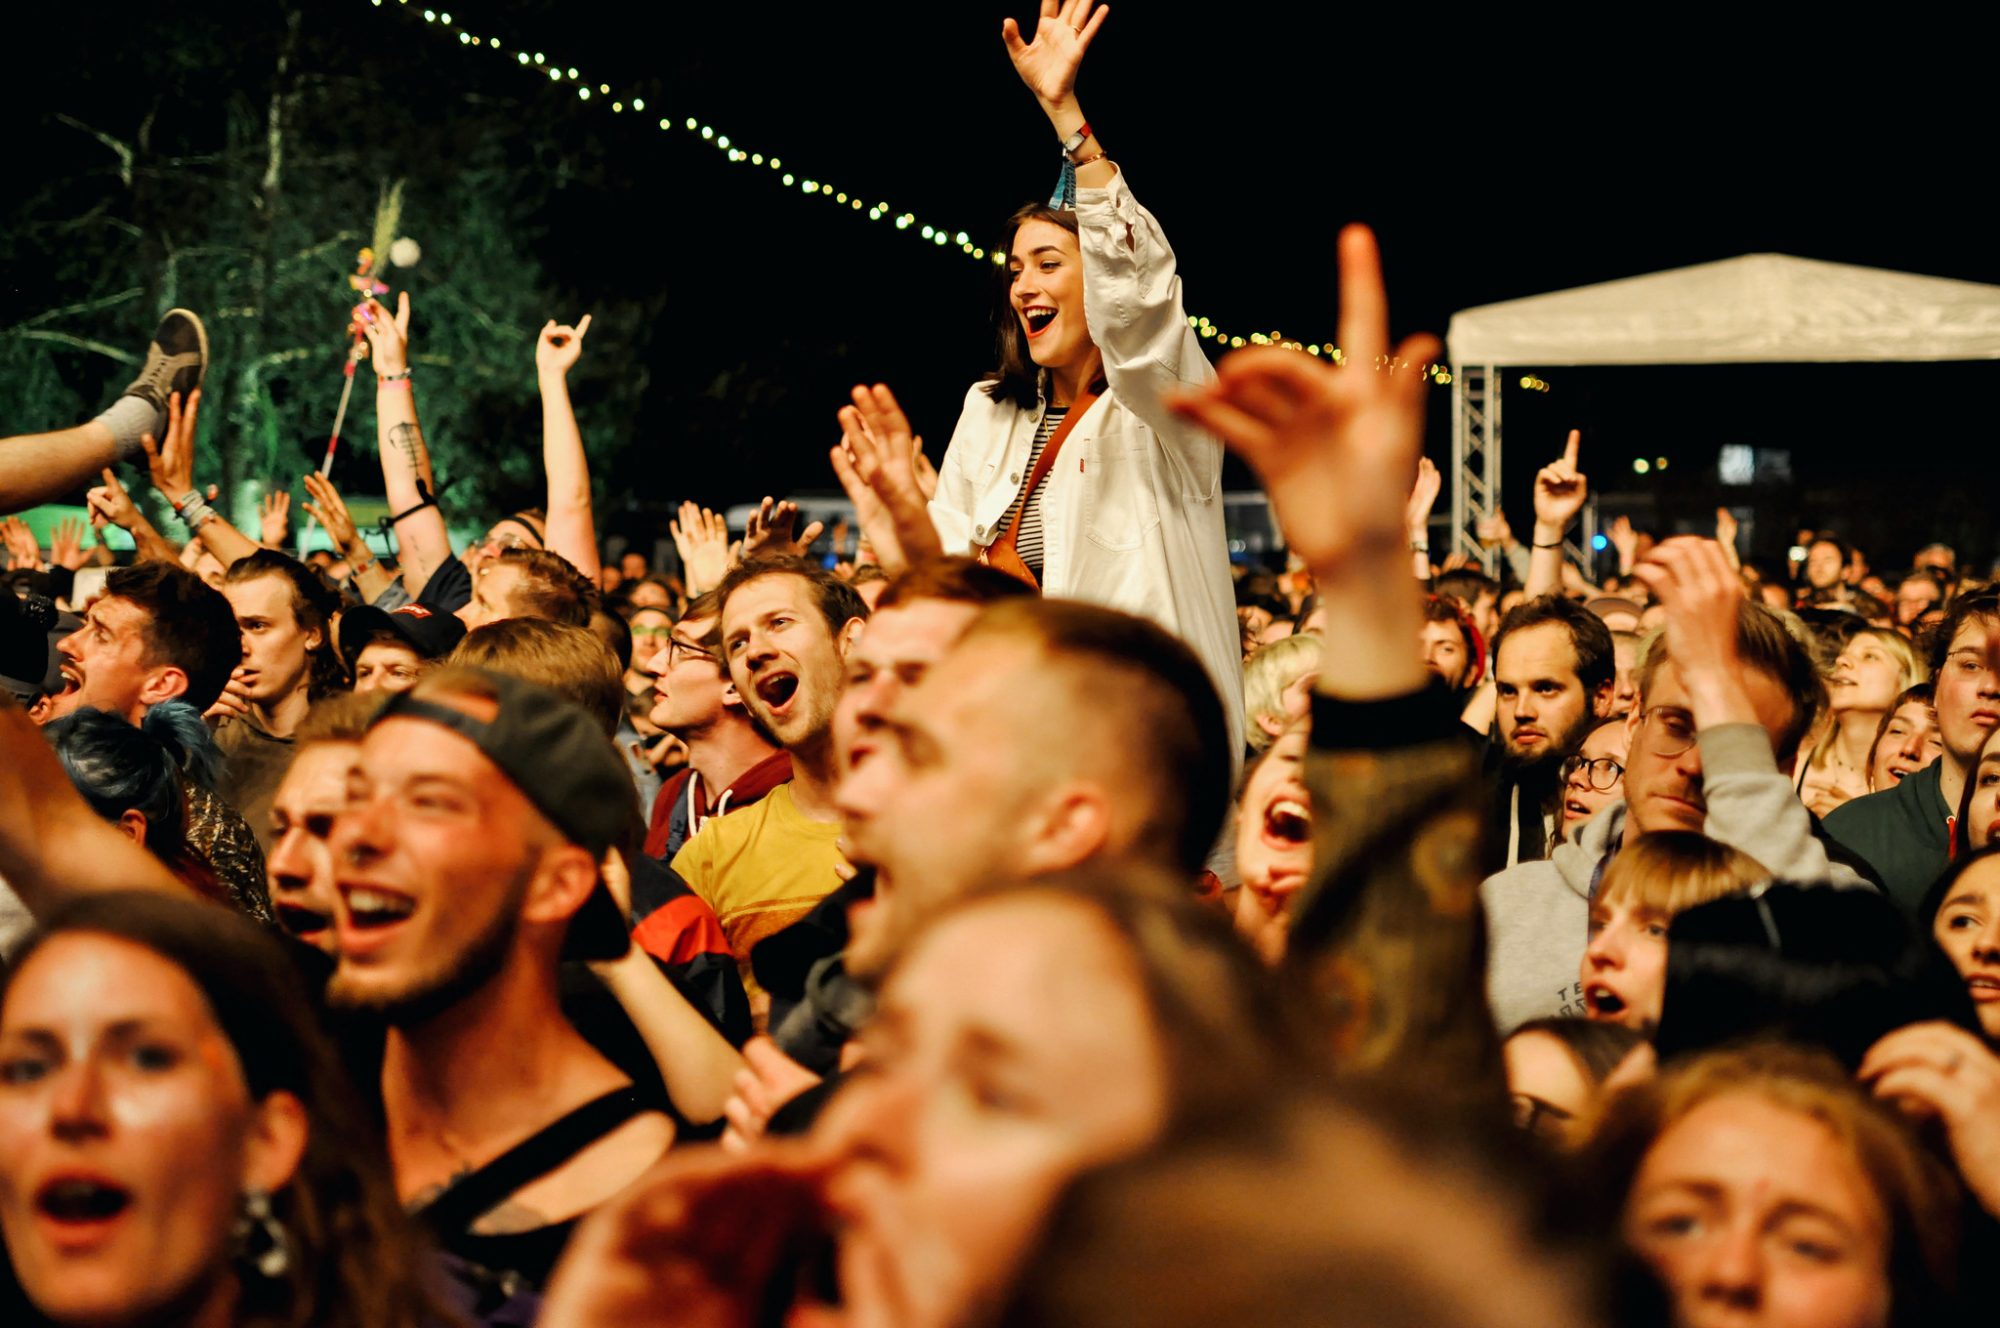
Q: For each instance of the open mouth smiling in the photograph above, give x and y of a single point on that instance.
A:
(1037, 320)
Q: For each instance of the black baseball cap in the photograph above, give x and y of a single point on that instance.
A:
(429, 632)
(558, 756)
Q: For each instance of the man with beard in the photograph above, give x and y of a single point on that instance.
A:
(1554, 673)
(787, 628)
(469, 851)
(1726, 695)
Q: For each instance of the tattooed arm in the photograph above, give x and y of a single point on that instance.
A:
(422, 544)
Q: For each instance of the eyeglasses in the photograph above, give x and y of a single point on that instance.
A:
(677, 646)
(1601, 773)
(1668, 730)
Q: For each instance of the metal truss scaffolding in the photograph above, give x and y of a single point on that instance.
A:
(1475, 458)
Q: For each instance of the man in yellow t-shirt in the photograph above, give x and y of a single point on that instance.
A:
(786, 629)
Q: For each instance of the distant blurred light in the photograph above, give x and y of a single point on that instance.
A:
(1599, 543)
(1640, 465)
(1660, 463)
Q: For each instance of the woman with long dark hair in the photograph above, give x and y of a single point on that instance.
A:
(177, 1144)
(1066, 468)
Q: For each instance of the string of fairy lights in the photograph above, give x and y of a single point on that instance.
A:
(621, 103)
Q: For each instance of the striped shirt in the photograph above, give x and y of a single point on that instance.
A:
(1028, 544)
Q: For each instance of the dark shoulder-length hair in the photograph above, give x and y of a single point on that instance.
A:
(355, 1261)
(314, 604)
(1018, 379)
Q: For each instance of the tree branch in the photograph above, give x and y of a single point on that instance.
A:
(87, 307)
(118, 146)
(80, 343)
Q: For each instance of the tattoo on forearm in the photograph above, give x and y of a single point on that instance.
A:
(409, 442)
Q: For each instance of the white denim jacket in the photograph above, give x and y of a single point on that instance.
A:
(1132, 509)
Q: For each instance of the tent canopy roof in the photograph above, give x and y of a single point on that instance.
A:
(1760, 308)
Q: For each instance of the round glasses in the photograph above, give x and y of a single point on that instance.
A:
(1600, 773)
(1668, 730)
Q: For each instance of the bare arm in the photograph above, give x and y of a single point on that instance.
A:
(423, 545)
(52, 846)
(1560, 489)
(39, 468)
(110, 504)
(572, 530)
(324, 502)
(696, 1063)
(171, 462)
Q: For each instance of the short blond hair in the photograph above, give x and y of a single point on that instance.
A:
(572, 662)
(1267, 674)
(1671, 871)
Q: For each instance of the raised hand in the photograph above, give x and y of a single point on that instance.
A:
(1624, 539)
(1692, 580)
(772, 532)
(1494, 530)
(388, 338)
(1336, 448)
(559, 346)
(66, 544)
(1423, 497)
(1048, 64)
(274, 514)
(110, 503)
(877, 465)
(1939, 1071)
(324, 504)
(171, 461)
(23, 550)
(701, 537)
(1560, 489)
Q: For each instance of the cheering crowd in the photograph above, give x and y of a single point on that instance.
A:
(1018, 915)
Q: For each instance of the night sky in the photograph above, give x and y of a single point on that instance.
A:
(1498, 157)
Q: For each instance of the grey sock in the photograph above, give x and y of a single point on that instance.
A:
(129, 417)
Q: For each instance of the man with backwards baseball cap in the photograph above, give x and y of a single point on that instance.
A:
(467, 865)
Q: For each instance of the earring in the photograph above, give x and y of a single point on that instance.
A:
(261, 1240)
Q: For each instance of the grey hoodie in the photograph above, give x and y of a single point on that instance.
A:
(1538, 913)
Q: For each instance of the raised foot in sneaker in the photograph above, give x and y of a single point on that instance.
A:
(176, 361)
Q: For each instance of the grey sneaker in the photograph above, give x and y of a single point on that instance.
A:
(176, 361)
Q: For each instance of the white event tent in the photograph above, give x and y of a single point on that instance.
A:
(1757, 309)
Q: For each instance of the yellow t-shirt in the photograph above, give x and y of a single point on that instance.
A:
(761, 868)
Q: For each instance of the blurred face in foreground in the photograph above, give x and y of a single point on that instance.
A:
(1756, 1214)
(983, 1094)
(127, 1137)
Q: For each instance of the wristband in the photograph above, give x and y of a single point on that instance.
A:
(1075, 141)
(1557, 545)
(402, 377)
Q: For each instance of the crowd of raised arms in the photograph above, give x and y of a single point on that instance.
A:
(1020, 916)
